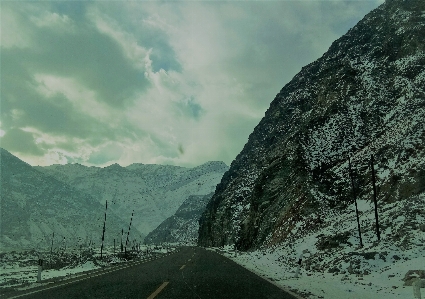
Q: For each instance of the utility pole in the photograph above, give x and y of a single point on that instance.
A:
(122, 246)
(103, 232)
(374, 198)
(51, 250)
(128, 233)
(355, 201)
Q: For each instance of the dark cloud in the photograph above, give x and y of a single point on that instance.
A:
(93, 58)
(22, 106)
(20, 141)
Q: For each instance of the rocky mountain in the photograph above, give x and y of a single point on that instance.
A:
(183, 226)
(364, 96)
(153, 192)
(34, 206)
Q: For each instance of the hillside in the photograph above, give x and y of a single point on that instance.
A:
(183, 226)
(154, 192)
(364, 96)
(35, 205)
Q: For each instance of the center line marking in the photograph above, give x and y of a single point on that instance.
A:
(181, 268)
(154, 294)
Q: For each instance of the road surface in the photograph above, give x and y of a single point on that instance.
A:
(189, 273)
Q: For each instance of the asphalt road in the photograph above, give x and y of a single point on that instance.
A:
(190, 273)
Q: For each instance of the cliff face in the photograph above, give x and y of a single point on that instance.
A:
(364, 96)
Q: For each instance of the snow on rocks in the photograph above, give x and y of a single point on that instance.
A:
(337, 267)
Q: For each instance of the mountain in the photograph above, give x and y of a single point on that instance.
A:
(364, 96)
(35, 205)
(154, 192)
(183, 226)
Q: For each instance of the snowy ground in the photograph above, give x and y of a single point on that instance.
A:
(18, 270)
(336, 266)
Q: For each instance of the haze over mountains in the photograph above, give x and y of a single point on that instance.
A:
(183, 226)
(70, 199)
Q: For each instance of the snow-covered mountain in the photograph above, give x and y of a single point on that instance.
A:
(154, 192)
(183, 226)
(34, 206)
(364, 96)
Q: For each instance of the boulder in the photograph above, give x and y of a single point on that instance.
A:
(413, 275)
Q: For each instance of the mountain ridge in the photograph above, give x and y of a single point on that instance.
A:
(154, 192)
(35, 205)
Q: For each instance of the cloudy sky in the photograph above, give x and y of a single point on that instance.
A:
(165, 82)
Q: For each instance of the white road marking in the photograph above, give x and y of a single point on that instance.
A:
(86, 276)
(158, 290)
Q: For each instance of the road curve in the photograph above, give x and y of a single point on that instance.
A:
(191, 272)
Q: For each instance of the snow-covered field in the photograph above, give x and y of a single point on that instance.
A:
(18, 270)
(341, 268)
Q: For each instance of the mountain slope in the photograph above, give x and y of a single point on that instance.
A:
(183, 226)
(35, 205)
(364, 96)
(154, 192)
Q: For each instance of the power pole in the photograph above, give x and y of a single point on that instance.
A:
(355, 201)
(103, 232)
(374, 198)
(128, 233)
(122, 246)
(51, 250)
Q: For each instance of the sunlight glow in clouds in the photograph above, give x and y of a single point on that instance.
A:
(177, 83)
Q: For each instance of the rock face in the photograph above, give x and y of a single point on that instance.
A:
(183, 226)
(364, 96)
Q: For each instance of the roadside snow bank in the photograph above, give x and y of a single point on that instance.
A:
(337, 267)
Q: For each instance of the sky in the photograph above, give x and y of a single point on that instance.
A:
(153, 82)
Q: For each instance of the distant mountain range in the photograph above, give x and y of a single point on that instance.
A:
(365, 96)
(183, 226)
(69, 200)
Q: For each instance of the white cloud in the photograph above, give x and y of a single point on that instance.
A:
(133, 51)
(41, 137)
(83, 99)
(53, 20)
(13, 34)
(2, 132)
